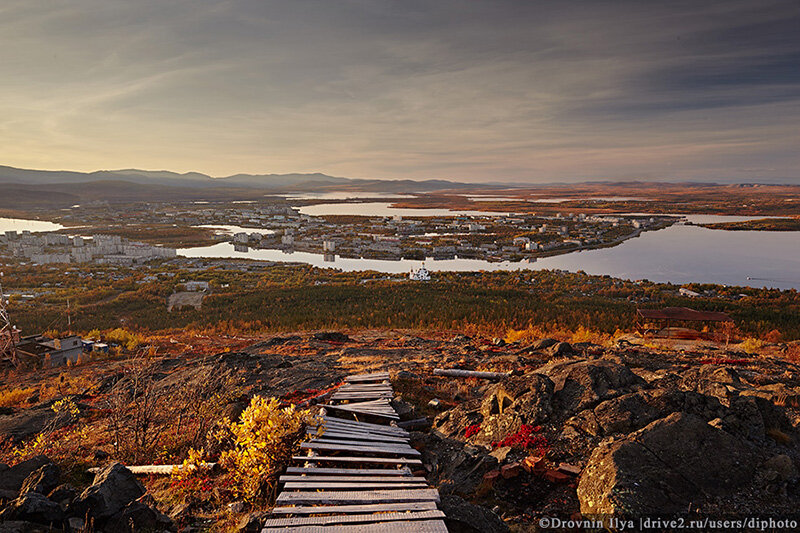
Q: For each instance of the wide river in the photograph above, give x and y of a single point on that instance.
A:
(678, 254)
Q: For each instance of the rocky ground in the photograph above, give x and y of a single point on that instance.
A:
(574, 430)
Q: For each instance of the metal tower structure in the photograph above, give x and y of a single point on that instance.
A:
(8, 345)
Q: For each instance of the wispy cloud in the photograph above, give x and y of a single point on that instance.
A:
(467, 89)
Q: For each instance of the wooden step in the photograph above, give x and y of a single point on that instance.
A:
(344, 434)
(317, 471)
(354, 447)
(365, 479)
(367, 460)
(355, 509)
(351, 485)
(358, 496)
(415, 526)
(362, 378)
(352, 519)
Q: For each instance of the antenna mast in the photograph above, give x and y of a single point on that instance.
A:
(8, 344)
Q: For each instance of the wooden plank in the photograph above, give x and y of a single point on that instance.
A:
(368, 460)
(392, 415)
(352, 519)
(361, 496)
(361, 395)
(347, 439)
(352, 425)
(357, 436)
(367, 425)
(415, 526)
(360, 378)
(355, 509)
(366, 479)
(381, 450)
(317, 470)
(350, 485)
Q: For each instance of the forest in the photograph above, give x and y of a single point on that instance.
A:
(291, 298)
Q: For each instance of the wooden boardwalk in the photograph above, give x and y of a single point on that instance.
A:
(356, 475)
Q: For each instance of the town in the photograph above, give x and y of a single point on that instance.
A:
(275, 225)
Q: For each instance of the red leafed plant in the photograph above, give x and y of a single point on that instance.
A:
(722, 361)
(524, 438)
(471, 430)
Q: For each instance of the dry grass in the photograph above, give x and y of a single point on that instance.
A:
(14, 397)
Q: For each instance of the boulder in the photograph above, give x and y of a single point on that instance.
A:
(561, 349)
(331, 336)
(26, 423)
(453, 422)
(581, 384)
(542, 344)
(721, 382)
(781, 467)
(529, 396)
(464, 517)
(114, 488)
(664, 467)
(13, 478)
(63, 495)
(34, 507)
(139, 515)
(42, 480)
(632, 411)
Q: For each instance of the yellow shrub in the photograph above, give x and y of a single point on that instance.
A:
(125, 338)
(264, 441)
(751, 345)
(14, 397)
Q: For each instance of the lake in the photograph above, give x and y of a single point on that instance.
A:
(385, 209)
(34, 226)
(678, 254)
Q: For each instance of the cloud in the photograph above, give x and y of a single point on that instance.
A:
(476, 90)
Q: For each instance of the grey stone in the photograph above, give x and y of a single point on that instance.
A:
(33, 507)
(114, 487)
(42, 480)
(13, 478)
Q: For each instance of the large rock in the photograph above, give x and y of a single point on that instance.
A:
(139, 515)
(331, 336)
(42, 480)
(12, 478)
(114, 488)
(464, 517)
(664, 467)
(581, 384)
(26, 423)
(516, 401)
(33, 507)
(629, 412)
(722, 382)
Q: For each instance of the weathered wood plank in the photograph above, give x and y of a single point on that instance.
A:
(358, 378)
(360, 410)
(352, 519)
(368, 425)
(355, 509)
(330, 434)
(365, 479)
(381, 450)
(369, 460)
(365, 427)
(317, 470)
(348, 439)
(416, 526)
(350, 485)
(365, 496)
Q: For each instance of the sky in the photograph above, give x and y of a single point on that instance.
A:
(495, 90)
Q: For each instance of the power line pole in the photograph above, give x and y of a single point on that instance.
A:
(8, 341)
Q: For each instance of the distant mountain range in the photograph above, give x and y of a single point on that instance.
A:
(272, 182)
